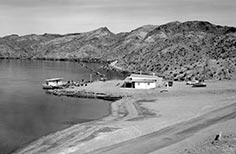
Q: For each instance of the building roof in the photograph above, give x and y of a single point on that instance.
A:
(53, 79)
(141, 80)
(141, 76)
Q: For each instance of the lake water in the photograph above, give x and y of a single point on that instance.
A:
(27, 112)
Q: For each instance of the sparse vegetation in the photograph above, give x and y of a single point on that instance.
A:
(166, 49)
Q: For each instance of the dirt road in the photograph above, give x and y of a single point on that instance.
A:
(170, 135)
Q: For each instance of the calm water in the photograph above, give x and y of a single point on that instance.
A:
(27, 112)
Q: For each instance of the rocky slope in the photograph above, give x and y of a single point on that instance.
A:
(175, 50)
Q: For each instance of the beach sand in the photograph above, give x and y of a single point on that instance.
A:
(182, 120)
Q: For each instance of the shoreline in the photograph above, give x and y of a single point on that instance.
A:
(15, 151)
(113, 115)
(106, 64)
(85, 60)
(134, 116)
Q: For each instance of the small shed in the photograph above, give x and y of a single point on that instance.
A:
(54, 82)
(139, 81)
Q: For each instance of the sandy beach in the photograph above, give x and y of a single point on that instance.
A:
(182, 120)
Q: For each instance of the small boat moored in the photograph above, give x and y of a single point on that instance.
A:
(199, 84)
(192, 82)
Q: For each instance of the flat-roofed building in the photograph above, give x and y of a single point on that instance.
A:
(139, 81)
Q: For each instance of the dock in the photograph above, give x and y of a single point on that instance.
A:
(84, 94)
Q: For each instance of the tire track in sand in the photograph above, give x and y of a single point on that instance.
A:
(170, 135)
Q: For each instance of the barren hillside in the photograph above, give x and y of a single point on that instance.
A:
(175, 50)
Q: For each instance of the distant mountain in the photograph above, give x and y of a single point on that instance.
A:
(175, 50)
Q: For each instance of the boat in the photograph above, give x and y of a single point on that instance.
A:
(192, 82)
(199, 84)
(54, 83)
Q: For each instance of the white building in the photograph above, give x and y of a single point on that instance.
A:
(138, 81)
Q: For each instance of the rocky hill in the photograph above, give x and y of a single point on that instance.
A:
(175, 50)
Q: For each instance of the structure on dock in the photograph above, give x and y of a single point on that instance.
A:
(54, 83)
(139, 81)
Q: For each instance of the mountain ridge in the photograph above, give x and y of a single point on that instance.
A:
(176, 50)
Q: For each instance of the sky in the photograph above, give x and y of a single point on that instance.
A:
(24, 17)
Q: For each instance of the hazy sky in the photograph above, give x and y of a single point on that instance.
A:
(71, 16)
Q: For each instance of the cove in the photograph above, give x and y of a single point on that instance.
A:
(27, 112)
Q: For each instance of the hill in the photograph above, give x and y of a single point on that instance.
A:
(175, 50)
